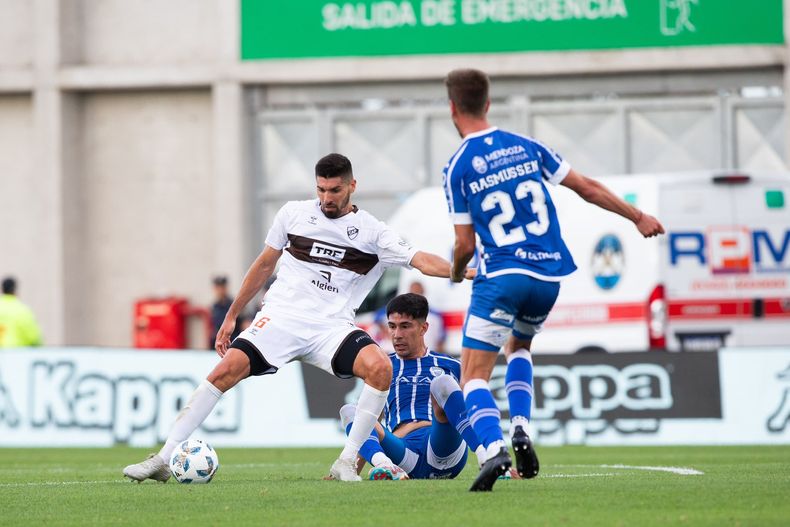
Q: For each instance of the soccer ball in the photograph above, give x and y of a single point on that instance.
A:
(194, 461)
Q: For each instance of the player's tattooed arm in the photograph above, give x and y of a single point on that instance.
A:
(260, 271)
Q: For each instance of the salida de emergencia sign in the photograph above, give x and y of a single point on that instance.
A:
(318, 28)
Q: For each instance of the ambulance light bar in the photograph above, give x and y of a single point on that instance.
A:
(731, 179)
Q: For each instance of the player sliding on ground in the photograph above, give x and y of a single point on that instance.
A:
(427, 432)
(331, 255)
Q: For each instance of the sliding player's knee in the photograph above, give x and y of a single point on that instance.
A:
(442, 387)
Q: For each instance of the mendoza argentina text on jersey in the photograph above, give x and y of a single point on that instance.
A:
(495, 181)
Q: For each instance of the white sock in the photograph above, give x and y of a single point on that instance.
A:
(493, 449)
(199, 406)
(380, 459)
(518, 420)
(369, 406)
(480, 452)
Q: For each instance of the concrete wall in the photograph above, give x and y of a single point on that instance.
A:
(142, 192)
(125, 158)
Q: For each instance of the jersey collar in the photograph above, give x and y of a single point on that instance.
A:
(480, 133)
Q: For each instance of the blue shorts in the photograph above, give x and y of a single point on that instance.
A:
(511, 303)
(431, 452)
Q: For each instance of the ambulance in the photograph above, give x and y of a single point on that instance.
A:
(720, 276)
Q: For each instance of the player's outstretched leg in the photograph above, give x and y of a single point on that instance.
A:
(233, 367)
(374, 367)
(371, 450)
(518, 384)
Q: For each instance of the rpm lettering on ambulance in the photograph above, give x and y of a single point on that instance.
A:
(732, 250)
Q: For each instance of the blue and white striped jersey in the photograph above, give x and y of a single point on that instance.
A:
(410, 391)
(495, 181)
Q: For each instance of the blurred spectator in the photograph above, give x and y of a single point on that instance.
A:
(380, 331)
(222, 302)
(436, 335)
(18, 327)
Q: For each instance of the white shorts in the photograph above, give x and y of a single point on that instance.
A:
(283, 337)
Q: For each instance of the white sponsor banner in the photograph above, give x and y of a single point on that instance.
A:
(100, 397)
(754, 386)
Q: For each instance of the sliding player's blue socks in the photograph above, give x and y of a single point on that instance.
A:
(455, 410)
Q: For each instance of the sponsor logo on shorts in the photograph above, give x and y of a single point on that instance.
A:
(319, 250)
(499, 314)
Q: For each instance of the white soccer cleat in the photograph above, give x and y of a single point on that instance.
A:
(152, 468)
(344, 470)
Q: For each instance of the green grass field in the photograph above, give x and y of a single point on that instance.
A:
(577, 486)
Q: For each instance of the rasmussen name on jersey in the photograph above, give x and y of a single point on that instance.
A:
(506, 174)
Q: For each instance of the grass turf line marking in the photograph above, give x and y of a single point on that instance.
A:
(681, 471)
(591, 475)
(58, 483)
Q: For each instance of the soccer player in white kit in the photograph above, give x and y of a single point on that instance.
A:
(331, 255)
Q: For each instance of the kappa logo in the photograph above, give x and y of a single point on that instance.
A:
(352, 232)
(327, 252)
(479, 164)
(312, 220)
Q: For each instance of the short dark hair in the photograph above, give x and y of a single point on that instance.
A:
(468, 89)
(9, 286)
(220, 280)
(334, 165)
(409, 304)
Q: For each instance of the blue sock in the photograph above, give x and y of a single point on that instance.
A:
(370, 447)
(518, 384)
(455, 409)
(483, 412)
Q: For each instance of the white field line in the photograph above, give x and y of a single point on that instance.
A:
(58, 483)
(590, 475)
(681, 471)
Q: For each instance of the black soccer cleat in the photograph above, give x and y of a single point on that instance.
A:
(491, 470)
(526, 459)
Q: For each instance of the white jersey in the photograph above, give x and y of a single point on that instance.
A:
(328, 265)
